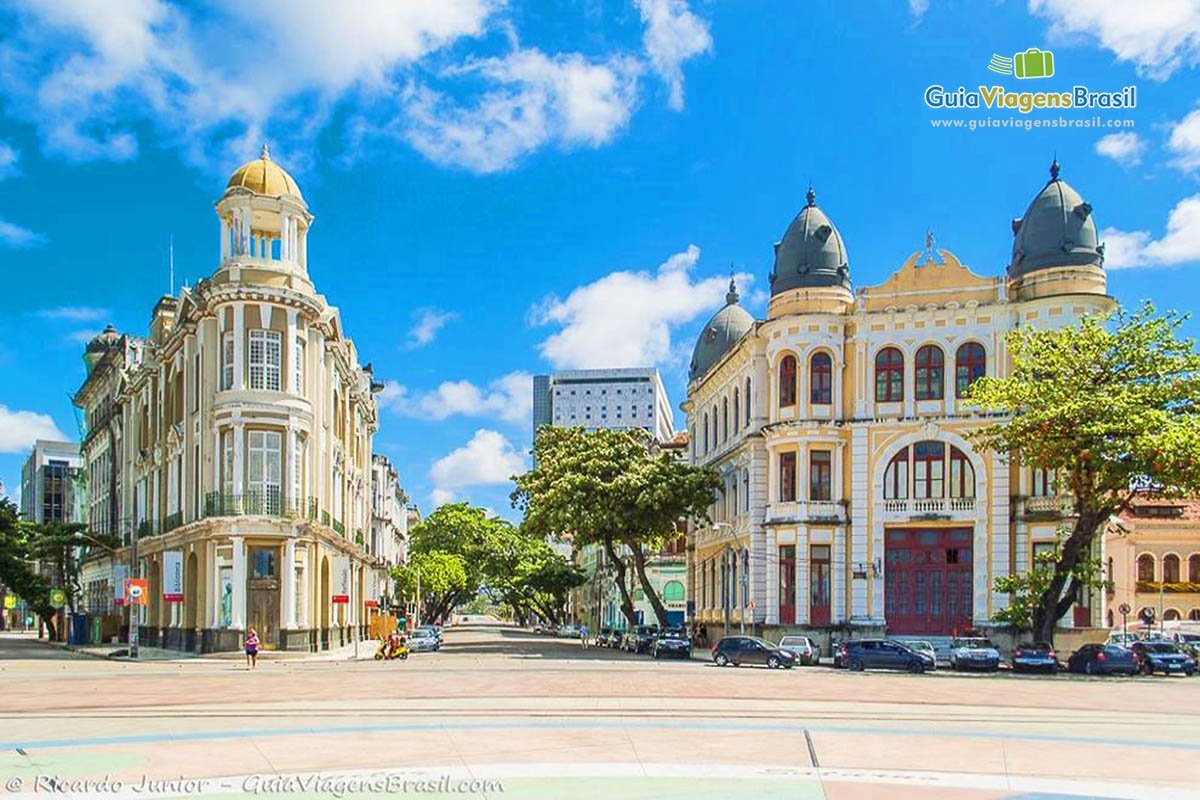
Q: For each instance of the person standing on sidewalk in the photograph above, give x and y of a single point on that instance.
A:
(583, 634)
(251, 649)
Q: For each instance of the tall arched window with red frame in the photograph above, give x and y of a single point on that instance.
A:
(889, 375)
(930, 376)
(821, 379)
(962, 474)
(970, 364)
(787, 381)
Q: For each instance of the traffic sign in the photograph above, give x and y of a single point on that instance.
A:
(58, 598)
(1124, 608)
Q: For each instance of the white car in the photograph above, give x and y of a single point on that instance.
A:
(1122, 639)
(424, 640)
(805, 650)
(971, 652)
(924, 647)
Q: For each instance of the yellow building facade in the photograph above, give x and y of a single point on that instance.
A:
(852, 497)
(1153, 560)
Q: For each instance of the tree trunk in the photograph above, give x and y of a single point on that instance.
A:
(639, 563)
(619, 579)
(1056, 601)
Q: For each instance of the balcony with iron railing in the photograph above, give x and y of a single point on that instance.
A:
(1047, 506)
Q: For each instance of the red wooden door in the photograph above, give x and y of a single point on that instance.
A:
(818, 584)
(928, 580)
(787, 584)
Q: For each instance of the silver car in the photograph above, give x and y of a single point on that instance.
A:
(924, 647)
(806, 651)
(423, 641)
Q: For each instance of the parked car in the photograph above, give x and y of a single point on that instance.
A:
(924, 648)
(672, 643)
(423, 640)
(1188, 643)
(974, 653)
(1165, 657)
(639, 639)
(603, 636)
(1122, 639)
(615, 637)
(860, 654)
(1103, 659)
(738, 650)
(570, 631)
(806, 651)
(546, 629)
(1030, 656)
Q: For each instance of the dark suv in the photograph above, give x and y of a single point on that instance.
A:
(639, 639)
(673, 642)
(738, 650)
(860, 654)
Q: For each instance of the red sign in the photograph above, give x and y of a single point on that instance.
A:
(372, 604)
(341, 599)
(137, 592)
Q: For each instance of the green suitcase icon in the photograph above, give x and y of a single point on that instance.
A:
(1034, 63)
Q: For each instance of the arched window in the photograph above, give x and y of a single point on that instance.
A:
(970, 363)
(737, 416)
(725, 419)
(672, 592)
(1194, 568)
(1170, 568)
(930, 374)
(1145, 568)
(716, 423)
(889, 376)
(735, 507)
(821, 379)
(1170, 615)
(787, 381)
(745, 490)
(706, 433)
(962, 474)
(1194, 615)
(929, 470)
(895, 477)
(747, 401)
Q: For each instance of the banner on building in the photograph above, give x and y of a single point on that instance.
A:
(340, 567)
(119, 574)
(172, 573)
(137, 593)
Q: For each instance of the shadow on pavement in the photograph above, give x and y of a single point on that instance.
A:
(27, 647)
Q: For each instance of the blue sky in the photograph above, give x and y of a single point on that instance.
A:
(502, 189)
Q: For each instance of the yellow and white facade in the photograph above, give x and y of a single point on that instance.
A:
(234, 444)
(853, 498)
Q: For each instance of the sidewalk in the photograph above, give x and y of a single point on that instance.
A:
(366, 651)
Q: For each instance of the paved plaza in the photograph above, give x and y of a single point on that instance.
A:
(544, 718)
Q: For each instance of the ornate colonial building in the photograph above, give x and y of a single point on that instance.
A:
(234, 444)
(852, 496)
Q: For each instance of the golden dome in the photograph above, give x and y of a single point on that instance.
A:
(264, 176)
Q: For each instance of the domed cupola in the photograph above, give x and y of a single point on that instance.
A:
(811, 254)
(721, 333)
(100, 344)
(1058, 230)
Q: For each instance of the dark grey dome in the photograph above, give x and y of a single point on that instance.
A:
(811, 254)
(721, 333)
(1057, 231)
(104, 340)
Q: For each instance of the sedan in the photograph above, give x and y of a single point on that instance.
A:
(1031, 656)
(569, 631)
(738, 650)
(639, 639)
(857, 655)
(1103, 659)
(926, 649)
(1162, 657)
(806, 651)
(674, 643)
(423, 641)
(974, 653)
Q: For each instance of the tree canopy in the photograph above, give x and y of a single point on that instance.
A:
(1112, 407)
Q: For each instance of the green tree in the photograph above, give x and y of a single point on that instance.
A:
(441, 576)
(17, 566)
(62, 545)
(1025, 590)
(612, 489)
(1111, 407)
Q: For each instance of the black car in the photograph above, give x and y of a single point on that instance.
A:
(639, 639)
(674, 642)
(605, 636)
(1162, 657)
(1030, 656)
(1103, 659)
(738, 650)
(861, 654)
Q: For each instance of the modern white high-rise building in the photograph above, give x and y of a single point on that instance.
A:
(618, 399)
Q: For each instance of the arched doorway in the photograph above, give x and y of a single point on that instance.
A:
(324, 598)
(191, 601)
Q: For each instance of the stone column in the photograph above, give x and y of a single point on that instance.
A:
(288, 597)
(238, 615)
(239, 342)
(238, 444)
(289, 353)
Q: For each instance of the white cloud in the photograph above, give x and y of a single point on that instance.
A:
(439, 497)
(673, 35)
(1125, 148)
(75, 313)
(12, 235)
(8, 160)
(625, 319)
(19, 429)
(918, 8)
(533, 100)
(1179, 245)
(1184, 142)
(1158, 38)
(509, 398)
(489, 459)
(426, 324)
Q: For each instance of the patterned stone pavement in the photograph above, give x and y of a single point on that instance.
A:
(546, 719)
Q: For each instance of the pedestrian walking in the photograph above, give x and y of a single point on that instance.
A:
(251, 649)
(583, 634)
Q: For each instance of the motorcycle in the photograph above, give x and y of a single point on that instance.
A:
(386, 651)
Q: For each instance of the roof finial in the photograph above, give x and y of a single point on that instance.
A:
(265, 155)
(810, 197)
(1054, 168)
(731, 297)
